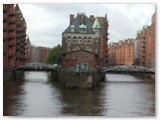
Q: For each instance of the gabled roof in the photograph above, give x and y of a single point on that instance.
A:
(83, 50)
(77, 22)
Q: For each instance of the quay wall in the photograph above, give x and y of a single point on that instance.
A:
(82, 80)
(9, 74)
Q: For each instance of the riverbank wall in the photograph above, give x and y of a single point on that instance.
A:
(147, 76)
(9, 74)
(79, 80)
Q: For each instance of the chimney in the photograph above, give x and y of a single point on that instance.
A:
(81, 18)
(71, 18)
(91, 18)
(153, 18)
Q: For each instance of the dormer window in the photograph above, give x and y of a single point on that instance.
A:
(72, 28)
(82, 28)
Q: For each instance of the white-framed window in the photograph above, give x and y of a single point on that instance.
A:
(79, 41)
(84, 41)
(68, 40)
(96, 40)
(76, 48)
(74, 41)
(88, 49)
(90, 41)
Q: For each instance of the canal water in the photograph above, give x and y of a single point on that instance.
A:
(118, 95)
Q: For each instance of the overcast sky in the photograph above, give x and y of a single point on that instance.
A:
(46, 22)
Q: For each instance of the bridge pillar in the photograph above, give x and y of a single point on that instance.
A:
(14, 75)
(54, 76)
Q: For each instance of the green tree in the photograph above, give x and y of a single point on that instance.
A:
(54, 55)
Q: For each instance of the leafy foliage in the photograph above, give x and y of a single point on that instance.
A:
(54, 55)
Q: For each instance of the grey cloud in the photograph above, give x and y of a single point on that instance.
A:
(46, 22)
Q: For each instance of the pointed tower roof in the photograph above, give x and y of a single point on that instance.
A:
(96, 24)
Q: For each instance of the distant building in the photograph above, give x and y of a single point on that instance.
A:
(112, 53)
(121, 53)
(39, 53)
(14, 36)
(34, 54)
(88, 38)
(28, 50)
(136, 52)
(43, 52)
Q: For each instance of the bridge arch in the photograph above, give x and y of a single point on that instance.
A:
(127, 69)
(34, 67)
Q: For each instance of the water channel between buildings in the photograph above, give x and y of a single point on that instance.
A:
(118, 95)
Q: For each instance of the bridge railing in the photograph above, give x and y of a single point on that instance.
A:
(127, 69)
(34, 66)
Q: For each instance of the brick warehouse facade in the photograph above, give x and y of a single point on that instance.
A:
(141, 51)
(86, 34)
(14, 36)
(28, 50)
(39, 53)
(80, 57)
(43, 52)
(121, 53)
(34, 53)
(146, 38)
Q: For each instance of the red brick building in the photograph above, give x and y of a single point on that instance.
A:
(112, 53)
(121, 53)
(150, 45)
(28, 50)
(141, 36)
(14, 36)
(43, 52)
(89, 34)
(81, 57)
(103, 21)
(39, 53)
(146, 38)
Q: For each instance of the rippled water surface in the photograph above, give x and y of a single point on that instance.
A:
(118, 95)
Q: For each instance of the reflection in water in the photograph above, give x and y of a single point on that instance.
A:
(35, 95)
